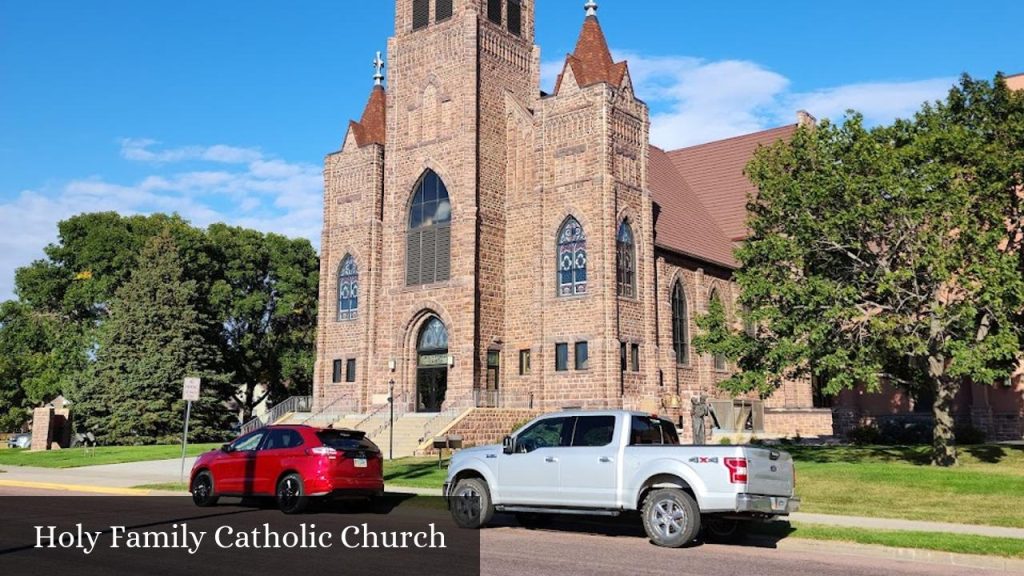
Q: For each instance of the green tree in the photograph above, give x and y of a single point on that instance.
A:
(265, 297)
(891, 251)
(157, 333)
(29, 372)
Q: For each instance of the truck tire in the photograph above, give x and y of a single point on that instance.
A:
(471, 504)
(671, 517)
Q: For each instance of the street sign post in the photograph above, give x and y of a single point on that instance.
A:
(189, 393)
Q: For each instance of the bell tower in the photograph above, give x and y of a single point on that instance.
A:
(454, 69)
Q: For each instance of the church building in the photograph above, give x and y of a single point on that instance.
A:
(489, 246)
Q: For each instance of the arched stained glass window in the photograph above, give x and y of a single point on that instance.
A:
(572, 258)
(428, 253)
(433, 337)
(625, 265)
(348, 289)
(680, 328)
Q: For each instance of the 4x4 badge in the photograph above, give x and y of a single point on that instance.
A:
(703, 460)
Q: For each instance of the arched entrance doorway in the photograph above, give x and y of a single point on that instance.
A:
(431, 366)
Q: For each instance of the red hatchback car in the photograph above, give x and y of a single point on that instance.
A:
(292, 464)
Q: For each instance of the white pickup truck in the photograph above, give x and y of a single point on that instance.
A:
(611, 462)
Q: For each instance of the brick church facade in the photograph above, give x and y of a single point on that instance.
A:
(489, 245)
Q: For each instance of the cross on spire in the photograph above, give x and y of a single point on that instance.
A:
(378, 66)
(591, 8)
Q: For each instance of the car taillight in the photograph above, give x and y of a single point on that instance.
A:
(737, 470)
(324, 451)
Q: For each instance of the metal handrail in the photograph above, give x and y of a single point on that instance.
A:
(373, 413)
(387, 423)
(322, 411)
(447, 414)
(291, 404)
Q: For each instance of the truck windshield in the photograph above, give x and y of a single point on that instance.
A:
(648, 430)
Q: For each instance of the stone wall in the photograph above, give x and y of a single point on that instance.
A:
(802, 422)
(489, 425)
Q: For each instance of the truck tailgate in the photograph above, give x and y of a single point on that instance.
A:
(769, 472)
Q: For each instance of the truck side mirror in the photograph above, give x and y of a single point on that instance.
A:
(509, 444)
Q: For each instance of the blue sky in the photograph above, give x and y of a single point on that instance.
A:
(223, 111)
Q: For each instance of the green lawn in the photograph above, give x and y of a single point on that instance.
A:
(957, 543)
(897, 482)
(75, 457)
(415, 473)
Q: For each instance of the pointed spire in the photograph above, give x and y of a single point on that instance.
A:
(591, 8)
(378, 66)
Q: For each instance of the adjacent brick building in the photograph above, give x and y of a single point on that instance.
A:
(489, 245)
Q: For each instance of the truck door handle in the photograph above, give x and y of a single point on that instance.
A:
(605, 459)
(551, 459)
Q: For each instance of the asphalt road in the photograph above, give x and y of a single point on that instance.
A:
(619, 548)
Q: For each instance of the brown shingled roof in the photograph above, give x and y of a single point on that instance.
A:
(715, 173)
(371, 128)
(592, 62)
(684, 225)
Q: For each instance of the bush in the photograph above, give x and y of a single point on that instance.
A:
(968, 435)
(905, 432)
(863, 435)
(725, 441)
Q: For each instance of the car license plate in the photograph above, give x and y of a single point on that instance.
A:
(779, 504)
(360, 462)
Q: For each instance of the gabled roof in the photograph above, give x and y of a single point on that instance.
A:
(371, 128)
(591, 61)
(684, 225)
(715, 173)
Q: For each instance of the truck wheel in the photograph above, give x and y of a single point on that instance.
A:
(471, 504)
(291, 495)
(723, 531)
(671, 517)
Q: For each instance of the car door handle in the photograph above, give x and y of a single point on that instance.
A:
(605, 459)
(551, 459)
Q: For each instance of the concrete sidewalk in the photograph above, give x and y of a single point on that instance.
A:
(120, 478)
(906, 525)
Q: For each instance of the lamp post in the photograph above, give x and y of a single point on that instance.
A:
(391, 428)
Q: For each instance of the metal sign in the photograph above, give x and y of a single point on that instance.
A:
(432, 360)
(191, 390)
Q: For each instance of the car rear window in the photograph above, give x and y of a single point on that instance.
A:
(345, 440)
(648, 430)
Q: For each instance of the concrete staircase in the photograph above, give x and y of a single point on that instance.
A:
(409, 432)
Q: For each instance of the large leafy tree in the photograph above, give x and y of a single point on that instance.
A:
(265, 296)
(29, 365)
(157, 333)
(891, 251)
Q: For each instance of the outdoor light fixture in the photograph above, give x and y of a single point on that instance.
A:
(392, 364)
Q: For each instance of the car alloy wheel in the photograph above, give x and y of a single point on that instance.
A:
(671, 517)
(471, 504)
(202, 490)
(291, 498)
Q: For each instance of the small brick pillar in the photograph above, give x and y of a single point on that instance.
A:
(50, 428)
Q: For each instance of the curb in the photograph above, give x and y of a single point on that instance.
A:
(76, 488)
(906, 554)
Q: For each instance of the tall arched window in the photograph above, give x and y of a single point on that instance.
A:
(680, 328)
(572, 258)
(348, 289)
(625, 263)
(715, 299)
(428, 252)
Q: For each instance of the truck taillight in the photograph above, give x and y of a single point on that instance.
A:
(737, 470)
(324, 451)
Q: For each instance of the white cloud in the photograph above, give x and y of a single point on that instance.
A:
(140, 149)
(253, 190)
(694, 100)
